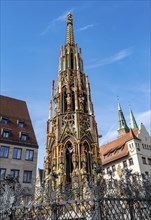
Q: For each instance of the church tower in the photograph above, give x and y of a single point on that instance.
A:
(72, 137)
(133, 123)
(123, 128)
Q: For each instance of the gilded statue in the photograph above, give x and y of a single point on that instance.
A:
(83, 172)
(61, 174)
(75, 174)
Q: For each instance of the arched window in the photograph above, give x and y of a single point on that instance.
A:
(69, 164)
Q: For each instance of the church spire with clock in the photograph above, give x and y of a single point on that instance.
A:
(72, 137)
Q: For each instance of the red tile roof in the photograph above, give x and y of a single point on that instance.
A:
(119, 147)
(15, 110)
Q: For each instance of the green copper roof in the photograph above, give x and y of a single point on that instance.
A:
(132, 120)
(122, 121)
(119, 106)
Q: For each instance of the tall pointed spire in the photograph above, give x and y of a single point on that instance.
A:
(123, 128)
(119, 106)
(72, 135)
(133, 123)
(70, 35)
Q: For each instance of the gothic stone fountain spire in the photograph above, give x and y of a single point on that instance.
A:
(72, 137)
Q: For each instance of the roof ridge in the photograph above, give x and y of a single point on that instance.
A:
(130, 134)
(12, 98)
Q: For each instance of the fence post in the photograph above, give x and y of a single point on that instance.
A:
(131, 209)
(97, 209)
(54, 211)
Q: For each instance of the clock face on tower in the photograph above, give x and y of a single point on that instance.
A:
(131, 147)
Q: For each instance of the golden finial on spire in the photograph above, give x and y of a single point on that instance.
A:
(69, 18)
(70, 36)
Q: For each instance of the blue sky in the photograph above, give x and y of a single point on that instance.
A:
(115, 40)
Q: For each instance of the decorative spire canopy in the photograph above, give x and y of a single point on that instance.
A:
(70, 35)
(132, 120)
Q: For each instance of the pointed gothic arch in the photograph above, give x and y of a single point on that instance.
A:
(86, 138)
(67, 138)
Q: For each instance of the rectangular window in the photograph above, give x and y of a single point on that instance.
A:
(2, 173)
(29, 154)
(131, 162)
(14, 173)
(27, 176)
(112, 153)
(105, 156)
(4, 151)
(4, 120)
(17, 153)
(138, 147)
(144, 160)
(5, 133)
(20, 124)
(119, 149)
(149, 161)
(124, 163)
(23, 137)
(113, 168)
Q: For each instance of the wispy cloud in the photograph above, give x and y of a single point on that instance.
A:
(113, 59)
(85, 27)
(144, 88)
(55, 21)
(7, 91)
(40, 131)
(142, 117)
(145, 118)
(110, 135)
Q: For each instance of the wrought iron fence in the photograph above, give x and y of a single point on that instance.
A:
(86, 209)
(126, 199)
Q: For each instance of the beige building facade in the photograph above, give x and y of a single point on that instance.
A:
(131, 150)
(18, 144)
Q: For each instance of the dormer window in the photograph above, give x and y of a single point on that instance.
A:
(112, 153)
(4, 120)
(119, 149)
(23, 136)
(105, 156)
(5, 133)
(20, 123)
